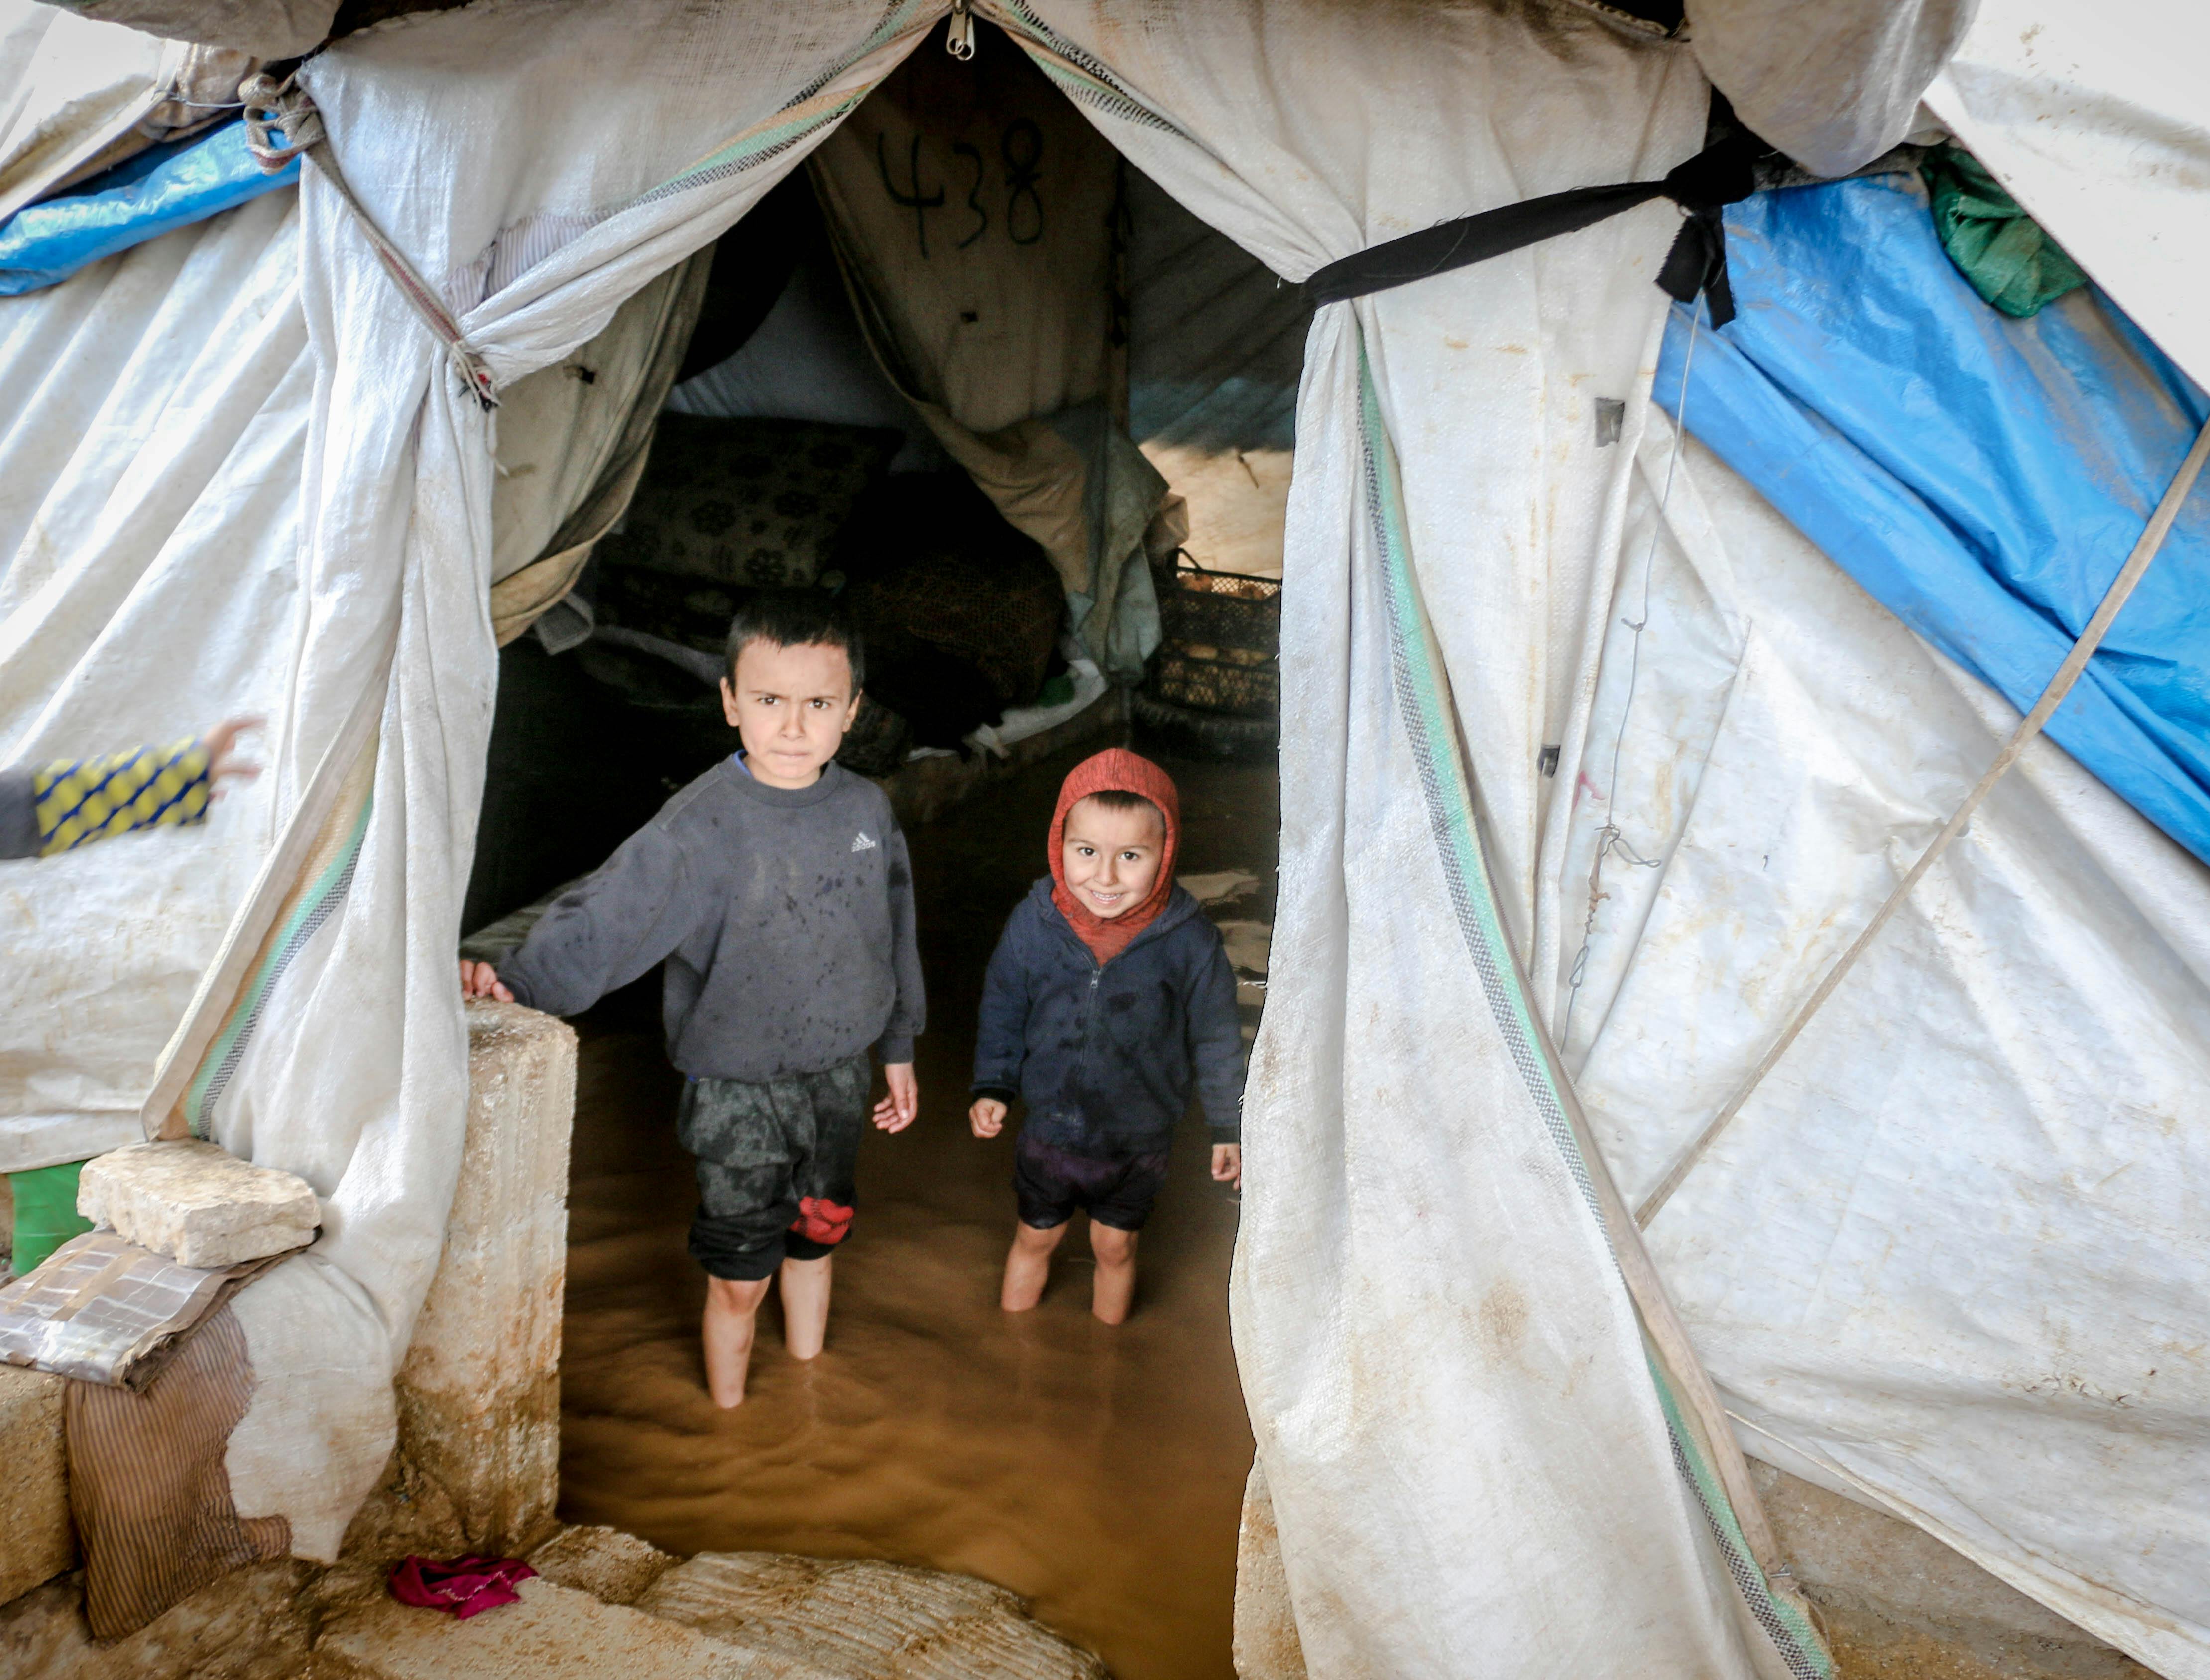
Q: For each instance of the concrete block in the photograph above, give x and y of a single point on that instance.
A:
(604, 1563)
(251, 1625)
(197, 1203)
(1897, 1601)
(477, 1467)
(37, 1541)
(817, 1618)
(555, 1633)
(1266, 1646)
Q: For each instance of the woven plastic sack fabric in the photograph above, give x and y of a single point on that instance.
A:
(1945, 1260)
(166, 416)
(154, 412)
(338, 1051)
(166, 187)
(70, 89)
(1449, 1385)
(1832, 86)
(2094, 118)
(539, 200)
(1408, 1166)
(1983, 478)
(2010, 261)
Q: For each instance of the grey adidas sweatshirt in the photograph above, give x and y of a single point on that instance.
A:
(785, 916)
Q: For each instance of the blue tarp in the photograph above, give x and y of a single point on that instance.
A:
(162, 188)
(1983, 478)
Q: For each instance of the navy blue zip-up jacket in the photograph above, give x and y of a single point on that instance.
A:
(1105, 1057)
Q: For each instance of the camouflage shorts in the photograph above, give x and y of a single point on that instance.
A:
(777, 1159)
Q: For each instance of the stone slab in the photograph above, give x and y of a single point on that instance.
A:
(554, 1633)
(36, 1541)
(602, 1562)
(252, 1625)
(478, 1467)
(1266, 1646)
(197, 1203)
(1897, 1601)
(817, 1618)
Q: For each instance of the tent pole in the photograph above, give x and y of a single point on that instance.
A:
(2067, 674)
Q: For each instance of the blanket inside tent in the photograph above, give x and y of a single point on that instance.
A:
(252, 474)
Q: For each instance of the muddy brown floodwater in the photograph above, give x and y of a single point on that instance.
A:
(1097, 1471)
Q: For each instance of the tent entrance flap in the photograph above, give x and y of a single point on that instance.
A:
(978, 224)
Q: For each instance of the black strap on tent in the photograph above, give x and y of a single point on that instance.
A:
(1723, 173)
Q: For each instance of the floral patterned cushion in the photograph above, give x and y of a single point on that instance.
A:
(747, 503)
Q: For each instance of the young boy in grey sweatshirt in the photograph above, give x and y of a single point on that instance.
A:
(776, 890)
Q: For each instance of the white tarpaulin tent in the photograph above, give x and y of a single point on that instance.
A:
(292, 504)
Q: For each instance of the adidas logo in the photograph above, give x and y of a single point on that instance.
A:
(860, 842)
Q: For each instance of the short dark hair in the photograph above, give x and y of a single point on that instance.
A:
(796, 619)
(1120, 799)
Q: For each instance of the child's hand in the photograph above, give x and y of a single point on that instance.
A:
(481, 980)
(1228, 1165)
(988, 1116)
(224, 759)
(896, 1111)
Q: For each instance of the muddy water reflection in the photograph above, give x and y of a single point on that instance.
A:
(1097, 1471)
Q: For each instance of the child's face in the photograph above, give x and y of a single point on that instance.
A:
(792, 706)
(1111, 857)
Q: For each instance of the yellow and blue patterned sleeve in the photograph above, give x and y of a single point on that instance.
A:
(78, 801)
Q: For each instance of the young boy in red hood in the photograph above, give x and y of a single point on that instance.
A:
(1109, 994)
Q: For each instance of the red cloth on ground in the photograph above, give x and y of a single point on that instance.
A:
(1115, 769)
(461, 1586)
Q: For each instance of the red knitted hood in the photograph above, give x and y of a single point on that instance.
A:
(1115, 770)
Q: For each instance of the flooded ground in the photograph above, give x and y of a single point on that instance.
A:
(1097, 1471)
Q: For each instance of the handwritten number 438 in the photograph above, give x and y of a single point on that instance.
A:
(1020, 150)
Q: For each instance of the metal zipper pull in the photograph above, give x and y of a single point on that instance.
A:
(959, 42)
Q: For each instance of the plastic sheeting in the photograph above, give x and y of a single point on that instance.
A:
(77, 97)
(331, 1043)
(1947, 1259)
(164, 188)
(1834, 86)
(573, 440)
(1449, 1385)
(2096, 119)
(153, 417)
(267, 29)
(1216, 343)
(328, 1037)
(68, 89)
(1983, 478)
(1447, 1382)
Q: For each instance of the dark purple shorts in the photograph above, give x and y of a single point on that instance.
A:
(1049, 1184)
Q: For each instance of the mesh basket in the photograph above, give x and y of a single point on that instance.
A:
(1222, 644)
